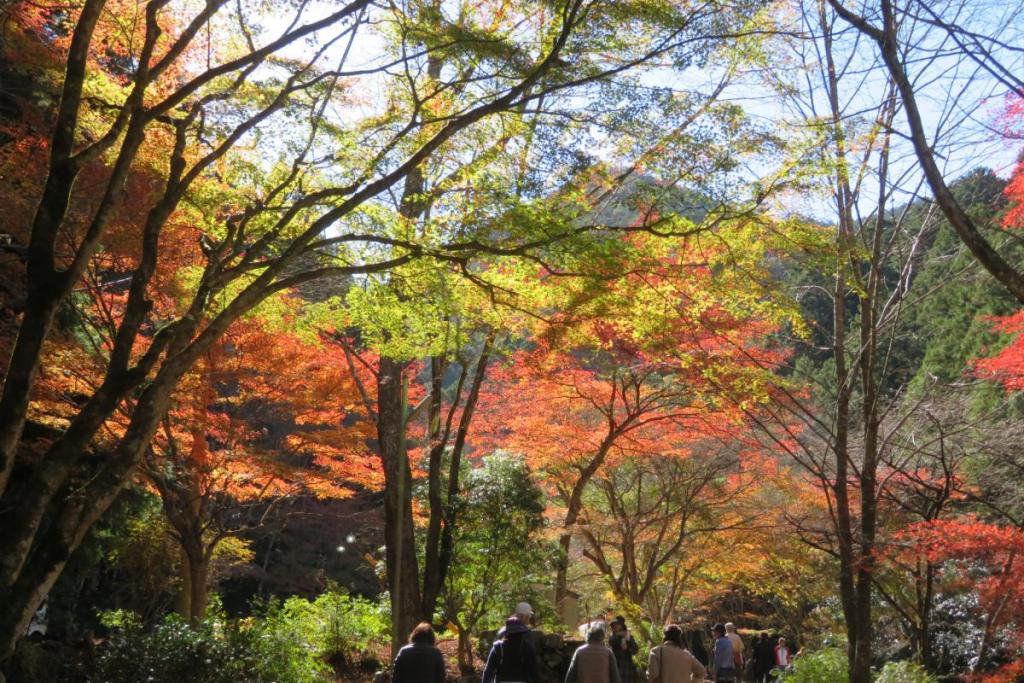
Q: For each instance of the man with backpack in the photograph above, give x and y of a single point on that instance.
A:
(512, 658)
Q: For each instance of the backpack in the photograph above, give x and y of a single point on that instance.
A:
(501, 657)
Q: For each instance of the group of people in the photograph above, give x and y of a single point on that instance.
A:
(605, 658)
(731, 664)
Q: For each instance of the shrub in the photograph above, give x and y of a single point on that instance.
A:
(815, 667)
(904, 672)
(340, 628)
(290, 642)
(215, 651)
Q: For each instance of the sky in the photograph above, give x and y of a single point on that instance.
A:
(960, 102)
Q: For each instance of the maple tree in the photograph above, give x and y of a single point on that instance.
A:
(163, 99)
(257, 251)
(263, 416)
(661, 518)
(985, 557)
(247, 426)
(1007, 366)
(631, 372)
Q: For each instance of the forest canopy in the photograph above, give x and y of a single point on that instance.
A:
(322, 320)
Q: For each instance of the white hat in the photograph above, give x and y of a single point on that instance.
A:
(524, 608)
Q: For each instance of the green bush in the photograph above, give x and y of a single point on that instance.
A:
(904, 672)
(294, 641)
(215, 651)
(338, 627)
(817, 667)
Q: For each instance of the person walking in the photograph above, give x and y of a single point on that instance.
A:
(723, 667)
(671, 662)
(593, 662)
(738, 654)
(512, 658)
(625, 648)
(763, 653)
(420, 661)
(524, 613)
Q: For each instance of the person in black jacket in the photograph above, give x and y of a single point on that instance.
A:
(512, 658)
(625, 648)
(420, 661)
(764, 658)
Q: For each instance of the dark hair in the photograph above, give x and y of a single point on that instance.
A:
(673, 634)
(596, 635)
(719, 629)
(423, 633)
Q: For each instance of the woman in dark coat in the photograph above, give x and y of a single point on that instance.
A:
(764, 658)
(625, 648)
(420, 661)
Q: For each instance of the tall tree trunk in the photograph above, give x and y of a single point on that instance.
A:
(574, 505)
(438, 438)
(74, 515)
(440, 533)
(198, 583)
(47, 287)
(399, 537)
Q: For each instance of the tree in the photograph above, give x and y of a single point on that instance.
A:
(497, 552)
(196, 111)
(438, 427)
(840, 418)
(422, 311)
(916, 36)
(984, 555)
(635, 371)
(261, 417)
(656, 520)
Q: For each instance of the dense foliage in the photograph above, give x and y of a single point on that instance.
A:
(322, 320)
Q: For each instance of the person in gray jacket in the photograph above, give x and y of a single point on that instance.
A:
(671, 662)
(593, 662)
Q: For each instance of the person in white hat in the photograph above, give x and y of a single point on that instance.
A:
(524, 613)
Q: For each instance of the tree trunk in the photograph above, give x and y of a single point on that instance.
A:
(195, 571)
(433, 577)
(199, 591)
(20, 377)
(74, 515)
(46, 286)
(860, 645)
(572, 512)
(562, 573)
(52, 549)
(440, 533)
(399, 537)
(465, 653)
